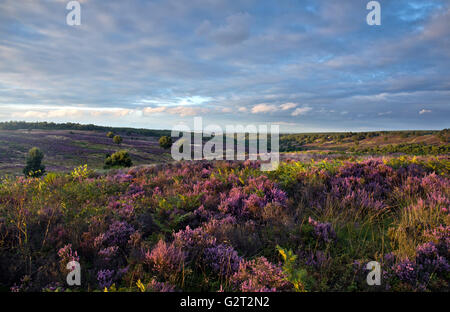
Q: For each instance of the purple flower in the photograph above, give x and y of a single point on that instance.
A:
(323, 231)
(223, 259)
(105, 278)
(118, 234)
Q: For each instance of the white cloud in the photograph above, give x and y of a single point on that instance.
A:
(287, 106)
(29, 114)
(301, 111)
(264, 108)
(184, 111)
(154, 110)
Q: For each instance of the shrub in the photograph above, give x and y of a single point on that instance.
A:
(118, 159)
(165, 142)
(166, 260)
(259, 275)
(211, 226)
(34, 167)
(117, 139)
(110, 135)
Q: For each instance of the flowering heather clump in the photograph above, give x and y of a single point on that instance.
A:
(366, 184)
(66, 254)
(118, 234)
(431, 261)
(203, 248)
(108, 253)
(250, 199)
(193, 226)
(233, 202)
(105, 278)
(223, 259)
(192, 239)
(316, 259)
(323, 231)
(259, 275)
(166, 258)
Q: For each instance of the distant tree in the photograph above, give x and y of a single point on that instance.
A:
(34, 167)
(117, 139)
(118, 159)
(165, 142)
(110, 134)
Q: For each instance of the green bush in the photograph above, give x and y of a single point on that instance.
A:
(118, 159)
(117, 139)
(34, 167)
(110, 134)
(165, 142)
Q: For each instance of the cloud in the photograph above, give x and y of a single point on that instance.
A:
(287, 106)
(29, 114)
(236, 30)
(424, 111)
(226, 110)
(264, 108)
(301, 111)
(128, 63)
(184, 111)
(154, 110)
(74, 112)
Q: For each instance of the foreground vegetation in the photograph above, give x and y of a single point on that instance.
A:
(226, 226)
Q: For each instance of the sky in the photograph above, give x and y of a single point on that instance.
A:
(306, 65)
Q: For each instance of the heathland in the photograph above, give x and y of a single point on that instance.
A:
(335, 203)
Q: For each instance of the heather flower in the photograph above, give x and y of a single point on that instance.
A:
(316, 259)
(118, 234)
(323, 231)
(105, 278)
(135, 190)
(233, 202)
(259, 275)
(166, 258)
(431, 259)
(67, 255)
(190, 239)
(275, 195)
(108, 253)
(223, 259)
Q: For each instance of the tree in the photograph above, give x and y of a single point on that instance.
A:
(110, 134)
(118, 159)
(34, 167)
(117, 139)
(165, 142)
